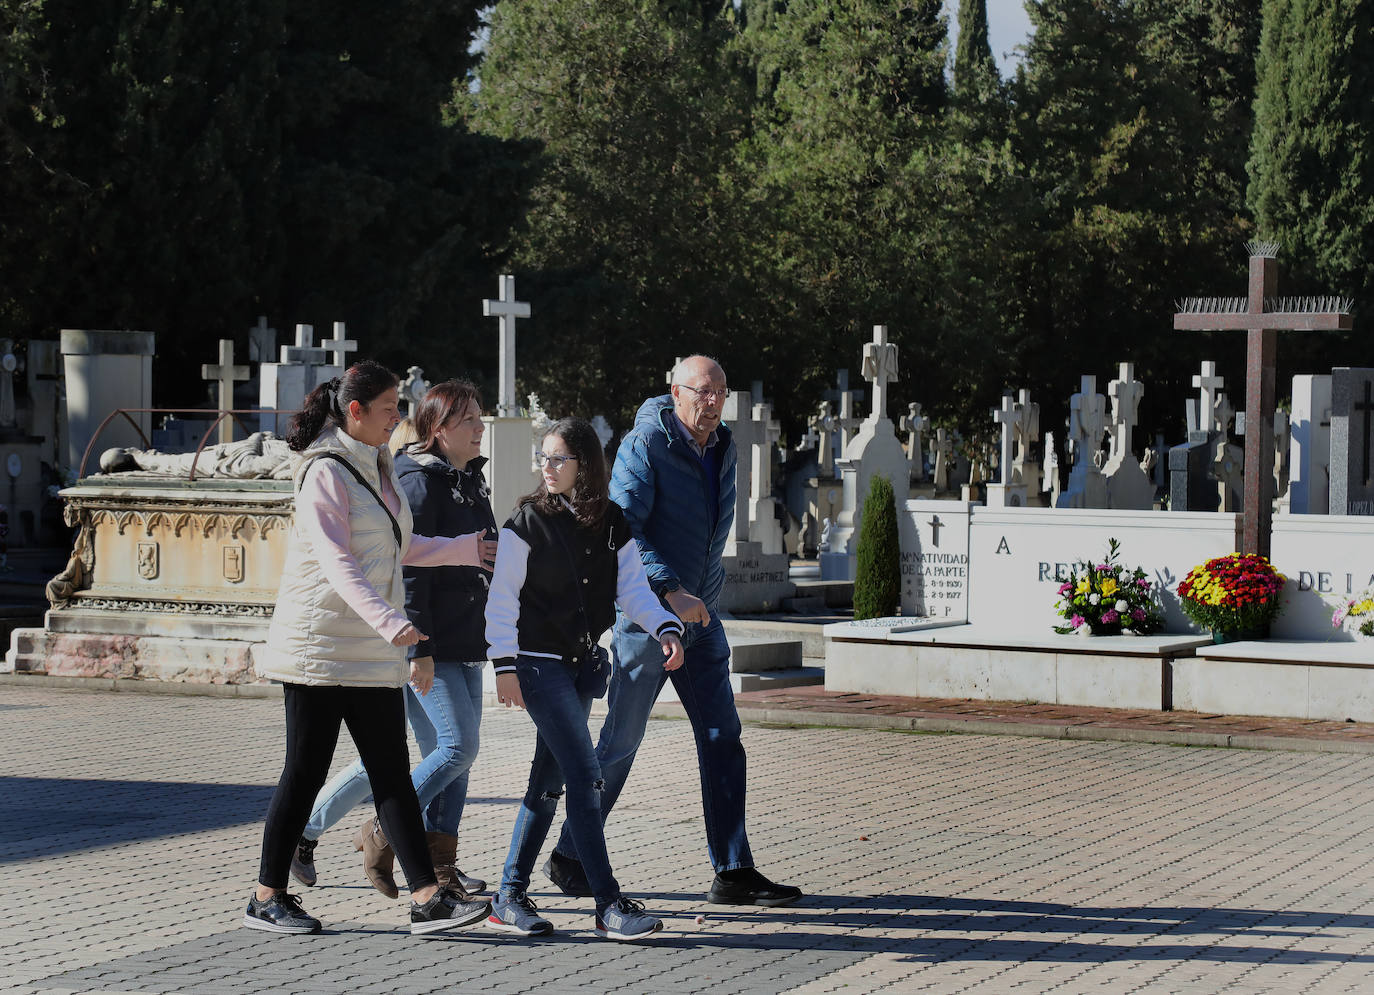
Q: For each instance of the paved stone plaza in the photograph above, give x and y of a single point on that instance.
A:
(940, 863)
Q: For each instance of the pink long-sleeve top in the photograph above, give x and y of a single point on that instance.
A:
(322, 517)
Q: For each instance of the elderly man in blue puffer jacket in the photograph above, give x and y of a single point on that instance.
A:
(675, 478)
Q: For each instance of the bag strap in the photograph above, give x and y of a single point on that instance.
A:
(395, 525)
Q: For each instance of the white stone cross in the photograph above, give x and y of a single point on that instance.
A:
(262, 341)
(1211, 385)
(1125, 392)
(823, 422)
(225, 373)
(1087, 420)
(506, 308)
(668, 377)
(880, 369)
(1026, 428)
(339, 346)
(1006, 416)
(846, 421)
(915, 424)
(304, 352)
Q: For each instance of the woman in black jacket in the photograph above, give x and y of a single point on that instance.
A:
(441, 477)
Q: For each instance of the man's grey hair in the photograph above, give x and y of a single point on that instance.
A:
(678, 370)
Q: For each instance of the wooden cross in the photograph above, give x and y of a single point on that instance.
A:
(339, 346)
(506, 309)
(225, 373)
(1261, 314)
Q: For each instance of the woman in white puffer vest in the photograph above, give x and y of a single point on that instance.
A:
(338, 641)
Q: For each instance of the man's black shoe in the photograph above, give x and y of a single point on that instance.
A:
(746, 886)
(567, 875)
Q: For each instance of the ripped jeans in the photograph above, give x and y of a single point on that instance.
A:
(563, 752)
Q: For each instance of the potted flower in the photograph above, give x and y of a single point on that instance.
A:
(1356, 614)
(1236, 596)
(1104, 598)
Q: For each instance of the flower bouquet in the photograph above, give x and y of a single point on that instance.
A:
(1106, 599)
(1236, 595)
(1356, 614)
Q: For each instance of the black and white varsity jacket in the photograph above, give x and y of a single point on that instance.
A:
(542, 562)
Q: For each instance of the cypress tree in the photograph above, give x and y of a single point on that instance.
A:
(1311, 187)
(878, 581)
(975, 71)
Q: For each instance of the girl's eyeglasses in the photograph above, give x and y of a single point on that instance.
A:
(544, 459)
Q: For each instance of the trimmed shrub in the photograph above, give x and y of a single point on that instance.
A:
(878, 581)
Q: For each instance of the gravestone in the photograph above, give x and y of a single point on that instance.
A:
(508, 442)
(755, 580)
(262, 342)
(915, 425)
(103, 372)
(1309, 451)
(1011, 491)
(1128, 487)
(847, 421)
(1352, 439)
(1049, 474)
(874, 450)
(413, 390)
(1261, 314)
(763, 520)
(302, 367)
(1087, 424)
(934, 542)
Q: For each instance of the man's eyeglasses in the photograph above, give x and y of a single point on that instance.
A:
(543, 459)
(709, 394)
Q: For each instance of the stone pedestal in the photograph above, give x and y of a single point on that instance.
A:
(874, 450)
(934, 541)
(508, 445)
(754, 581)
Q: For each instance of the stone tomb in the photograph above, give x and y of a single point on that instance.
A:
(934, 540)
(169, 579)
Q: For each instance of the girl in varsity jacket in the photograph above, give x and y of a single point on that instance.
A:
(564, 561)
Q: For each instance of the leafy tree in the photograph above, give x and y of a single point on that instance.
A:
(630, 241)
(1311, 187)
(878, 580)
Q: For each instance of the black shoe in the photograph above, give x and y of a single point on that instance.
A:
(303, 862)
(282, 913)
(746, 886)
(446, 910)
(567, 875)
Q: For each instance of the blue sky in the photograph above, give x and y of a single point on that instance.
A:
(1008, 26)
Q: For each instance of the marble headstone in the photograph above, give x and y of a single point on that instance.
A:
(1352, 439)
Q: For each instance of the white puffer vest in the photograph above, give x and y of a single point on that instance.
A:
(315, 637)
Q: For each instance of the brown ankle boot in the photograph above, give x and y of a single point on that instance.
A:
(378, 857)
(443, 851)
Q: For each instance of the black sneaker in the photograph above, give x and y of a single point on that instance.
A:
(446, 910)
(282, 913)
(746, 886)
(567, 875)
(303, 862)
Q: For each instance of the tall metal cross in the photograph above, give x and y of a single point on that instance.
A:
(1262, 314)
(506, 308)
(225, 373)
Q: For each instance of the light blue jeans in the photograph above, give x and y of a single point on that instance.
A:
(446, 723)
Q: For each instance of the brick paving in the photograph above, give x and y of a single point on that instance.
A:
(933, 863)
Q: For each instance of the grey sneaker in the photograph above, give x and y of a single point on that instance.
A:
(517, 914)
(625, 919)
(446, 910)
(303, 862)
(282, 913)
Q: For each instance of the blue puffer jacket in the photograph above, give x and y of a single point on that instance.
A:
(658, 481)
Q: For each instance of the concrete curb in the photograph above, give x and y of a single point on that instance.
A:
(795, 717)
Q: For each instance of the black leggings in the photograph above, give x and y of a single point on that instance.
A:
(376, 720)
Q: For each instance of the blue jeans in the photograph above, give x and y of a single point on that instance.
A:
(703, 687)
(562, 752)
(446, 724)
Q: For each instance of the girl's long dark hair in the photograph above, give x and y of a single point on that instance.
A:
(442, 402)
(327, 403)
(591, 492)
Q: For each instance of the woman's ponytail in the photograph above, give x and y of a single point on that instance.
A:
(326, 404)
